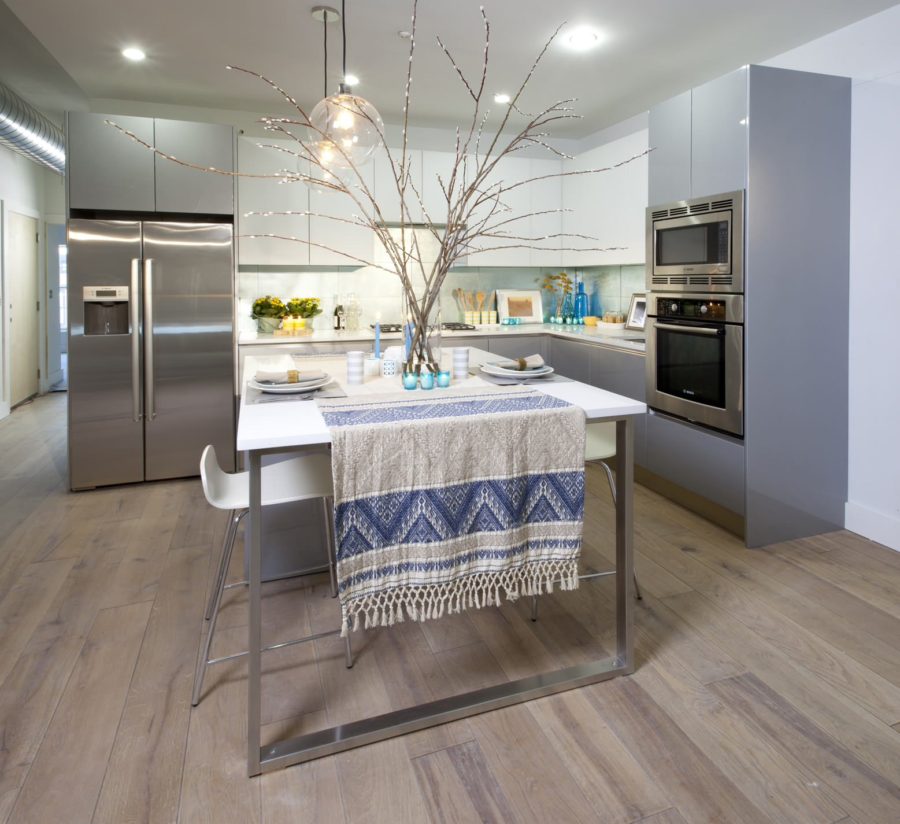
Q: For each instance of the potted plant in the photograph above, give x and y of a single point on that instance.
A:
(303, 309)
(268, 312)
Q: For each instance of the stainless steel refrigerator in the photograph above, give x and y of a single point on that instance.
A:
(151, 349)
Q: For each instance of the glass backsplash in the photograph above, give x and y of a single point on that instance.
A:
(609, 288)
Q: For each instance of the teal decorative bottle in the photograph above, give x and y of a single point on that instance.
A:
(581, 303)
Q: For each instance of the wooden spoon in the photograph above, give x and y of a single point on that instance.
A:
(480, 296)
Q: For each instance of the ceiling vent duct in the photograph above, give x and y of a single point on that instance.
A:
(25, 130)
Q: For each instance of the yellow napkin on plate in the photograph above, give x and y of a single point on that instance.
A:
(522, 364)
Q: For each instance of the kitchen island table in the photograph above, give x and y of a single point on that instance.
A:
(297, 425)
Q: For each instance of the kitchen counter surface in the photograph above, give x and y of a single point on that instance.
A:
(618, 338)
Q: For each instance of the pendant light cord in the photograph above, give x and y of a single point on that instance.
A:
(325, 50)
(344, 36)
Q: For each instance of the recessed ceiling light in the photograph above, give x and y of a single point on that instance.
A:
(582, 38)
(502, 98)
(404, 34)
(134, 53)
(351, 80)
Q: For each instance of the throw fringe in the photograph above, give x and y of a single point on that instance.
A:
(428, 601)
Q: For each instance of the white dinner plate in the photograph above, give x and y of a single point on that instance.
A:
(501, 372)
(290, 388)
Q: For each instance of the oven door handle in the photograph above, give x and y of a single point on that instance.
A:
(699, 330)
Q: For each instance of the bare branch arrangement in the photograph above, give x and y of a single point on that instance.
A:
(474, 215)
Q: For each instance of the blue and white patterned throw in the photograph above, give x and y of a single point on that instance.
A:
(458, 500)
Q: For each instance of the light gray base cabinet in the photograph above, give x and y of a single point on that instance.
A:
(519, 346)
(697, 459)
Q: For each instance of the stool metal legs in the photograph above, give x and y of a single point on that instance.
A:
(234, 520)
(203, 660)
(215, 598)
(637, 590)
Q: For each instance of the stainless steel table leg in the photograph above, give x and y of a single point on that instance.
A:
(254, 641)
(625, 543)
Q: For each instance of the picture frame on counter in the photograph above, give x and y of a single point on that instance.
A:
(637, 312)
(522, 304)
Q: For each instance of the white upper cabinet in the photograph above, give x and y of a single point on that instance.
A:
(258, 194)
(386, 193)
(546, 196)
(334, 222)
(510, 217)
(608, 206)
(436, 170)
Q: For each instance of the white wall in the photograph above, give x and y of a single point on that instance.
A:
(867, 51)
(27, 188)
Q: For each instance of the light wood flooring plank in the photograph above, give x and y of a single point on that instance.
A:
(215, 787)
(458, 786)
(607, 773)
(873, 797)
(79, 739)
(758, 767)
(853, 578)
(832, 665)
(143, 780)
(536, 780)
(765, 576)
(696, 785)
(670, 816)
(23, 607)
(839, 716)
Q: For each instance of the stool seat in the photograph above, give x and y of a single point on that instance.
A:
(301, 478)
(599, 441)
(296, 479)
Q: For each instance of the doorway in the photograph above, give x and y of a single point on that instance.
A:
(57, 300)
(24, 309)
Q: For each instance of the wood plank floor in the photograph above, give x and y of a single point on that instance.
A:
(767, 688)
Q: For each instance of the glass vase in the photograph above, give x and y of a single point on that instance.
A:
(422, 334)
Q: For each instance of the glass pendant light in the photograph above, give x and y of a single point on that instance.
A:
(348, 127)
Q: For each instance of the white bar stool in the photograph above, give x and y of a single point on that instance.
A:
(297, 479)
(599, 445)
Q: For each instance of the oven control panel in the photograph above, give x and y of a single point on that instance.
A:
(691, 309)
(709, 308)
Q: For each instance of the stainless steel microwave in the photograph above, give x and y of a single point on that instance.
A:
(697, 245)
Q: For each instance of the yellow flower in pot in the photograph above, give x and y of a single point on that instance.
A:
(268, 312)
(302, 310)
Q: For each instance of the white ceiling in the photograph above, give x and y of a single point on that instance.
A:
(653, 49)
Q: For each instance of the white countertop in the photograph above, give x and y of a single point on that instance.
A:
(619, 338)
(299, 423)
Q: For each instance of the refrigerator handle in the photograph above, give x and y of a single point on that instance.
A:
(149, 399)
(135, 340)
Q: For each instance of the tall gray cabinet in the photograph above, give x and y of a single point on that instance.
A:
(784, 138)
(108, 172)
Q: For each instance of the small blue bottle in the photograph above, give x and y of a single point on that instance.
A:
(581, 303)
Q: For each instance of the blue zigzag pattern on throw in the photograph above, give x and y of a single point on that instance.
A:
(430, 410)
(443, 513)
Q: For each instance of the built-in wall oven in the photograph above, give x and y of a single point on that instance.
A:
(695, 358)
(697, 245)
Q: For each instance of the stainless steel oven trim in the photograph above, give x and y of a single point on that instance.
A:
(735, 267)
(731, 418)
(734, 304)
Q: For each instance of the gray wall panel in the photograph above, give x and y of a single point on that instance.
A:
(798, 213)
